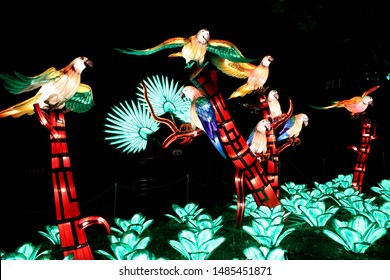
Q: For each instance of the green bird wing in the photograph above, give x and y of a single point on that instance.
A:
(20, 83)
(167, 44)
(82, 100)
(227, 50)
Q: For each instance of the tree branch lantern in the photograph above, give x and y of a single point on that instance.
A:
(362, 153)
(70, 224)
(249, 172)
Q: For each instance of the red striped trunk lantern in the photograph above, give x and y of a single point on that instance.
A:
(362, 153)
(70, 224)
(249, 172)
(271, 162)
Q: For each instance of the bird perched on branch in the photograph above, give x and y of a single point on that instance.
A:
(273, 104)
(293, 126)
(257, 140)
(57, 89)
(256, 75)
(194, 48)
(203, 116)
(356, 105)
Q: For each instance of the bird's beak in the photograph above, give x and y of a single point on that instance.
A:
(268, 126)
(306, 122)
(89, 63)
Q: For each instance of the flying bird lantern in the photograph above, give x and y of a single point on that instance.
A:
(194, 49)
(356, 105)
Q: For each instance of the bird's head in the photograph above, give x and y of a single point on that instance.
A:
(203, 36)
(190, 92)
(264, 125)
(273, 95)
(80, 63)
(368, 100)
(267, 60)
(305, 119)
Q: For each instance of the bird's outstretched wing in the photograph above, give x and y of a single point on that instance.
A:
(230, 68)
(367, 92)
(21, 83)
(82, 100)
(167, 44)
(227, 50)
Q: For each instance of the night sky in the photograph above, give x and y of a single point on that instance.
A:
(311, 44)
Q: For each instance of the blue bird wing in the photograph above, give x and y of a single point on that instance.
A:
(283, 134)
(250, 138)
(206, 115)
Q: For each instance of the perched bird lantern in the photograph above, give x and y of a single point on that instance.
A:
(256, 75)
(58, 89)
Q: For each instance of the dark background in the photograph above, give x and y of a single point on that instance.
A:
(323, 52)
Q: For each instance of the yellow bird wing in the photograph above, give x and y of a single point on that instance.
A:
(20, 83)
(234, 69)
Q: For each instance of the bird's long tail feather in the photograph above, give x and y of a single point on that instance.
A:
(218, 145)
(321, 108)
(18, 110)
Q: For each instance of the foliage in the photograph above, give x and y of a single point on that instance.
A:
(267, 226)
(128, 242)
(164, 96)
(137, 223)
(205, 221)
(316, 214)
(52, 233)
(292, 188)
(27, 251)
(383, 189)
(352, 200)
(250, 204)
(196, 245)
(270, 234)
(186, 213)
(264, 253)
(357, 234)
(130, 127)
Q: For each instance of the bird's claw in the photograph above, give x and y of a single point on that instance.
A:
(294, 141)
(185, 127)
